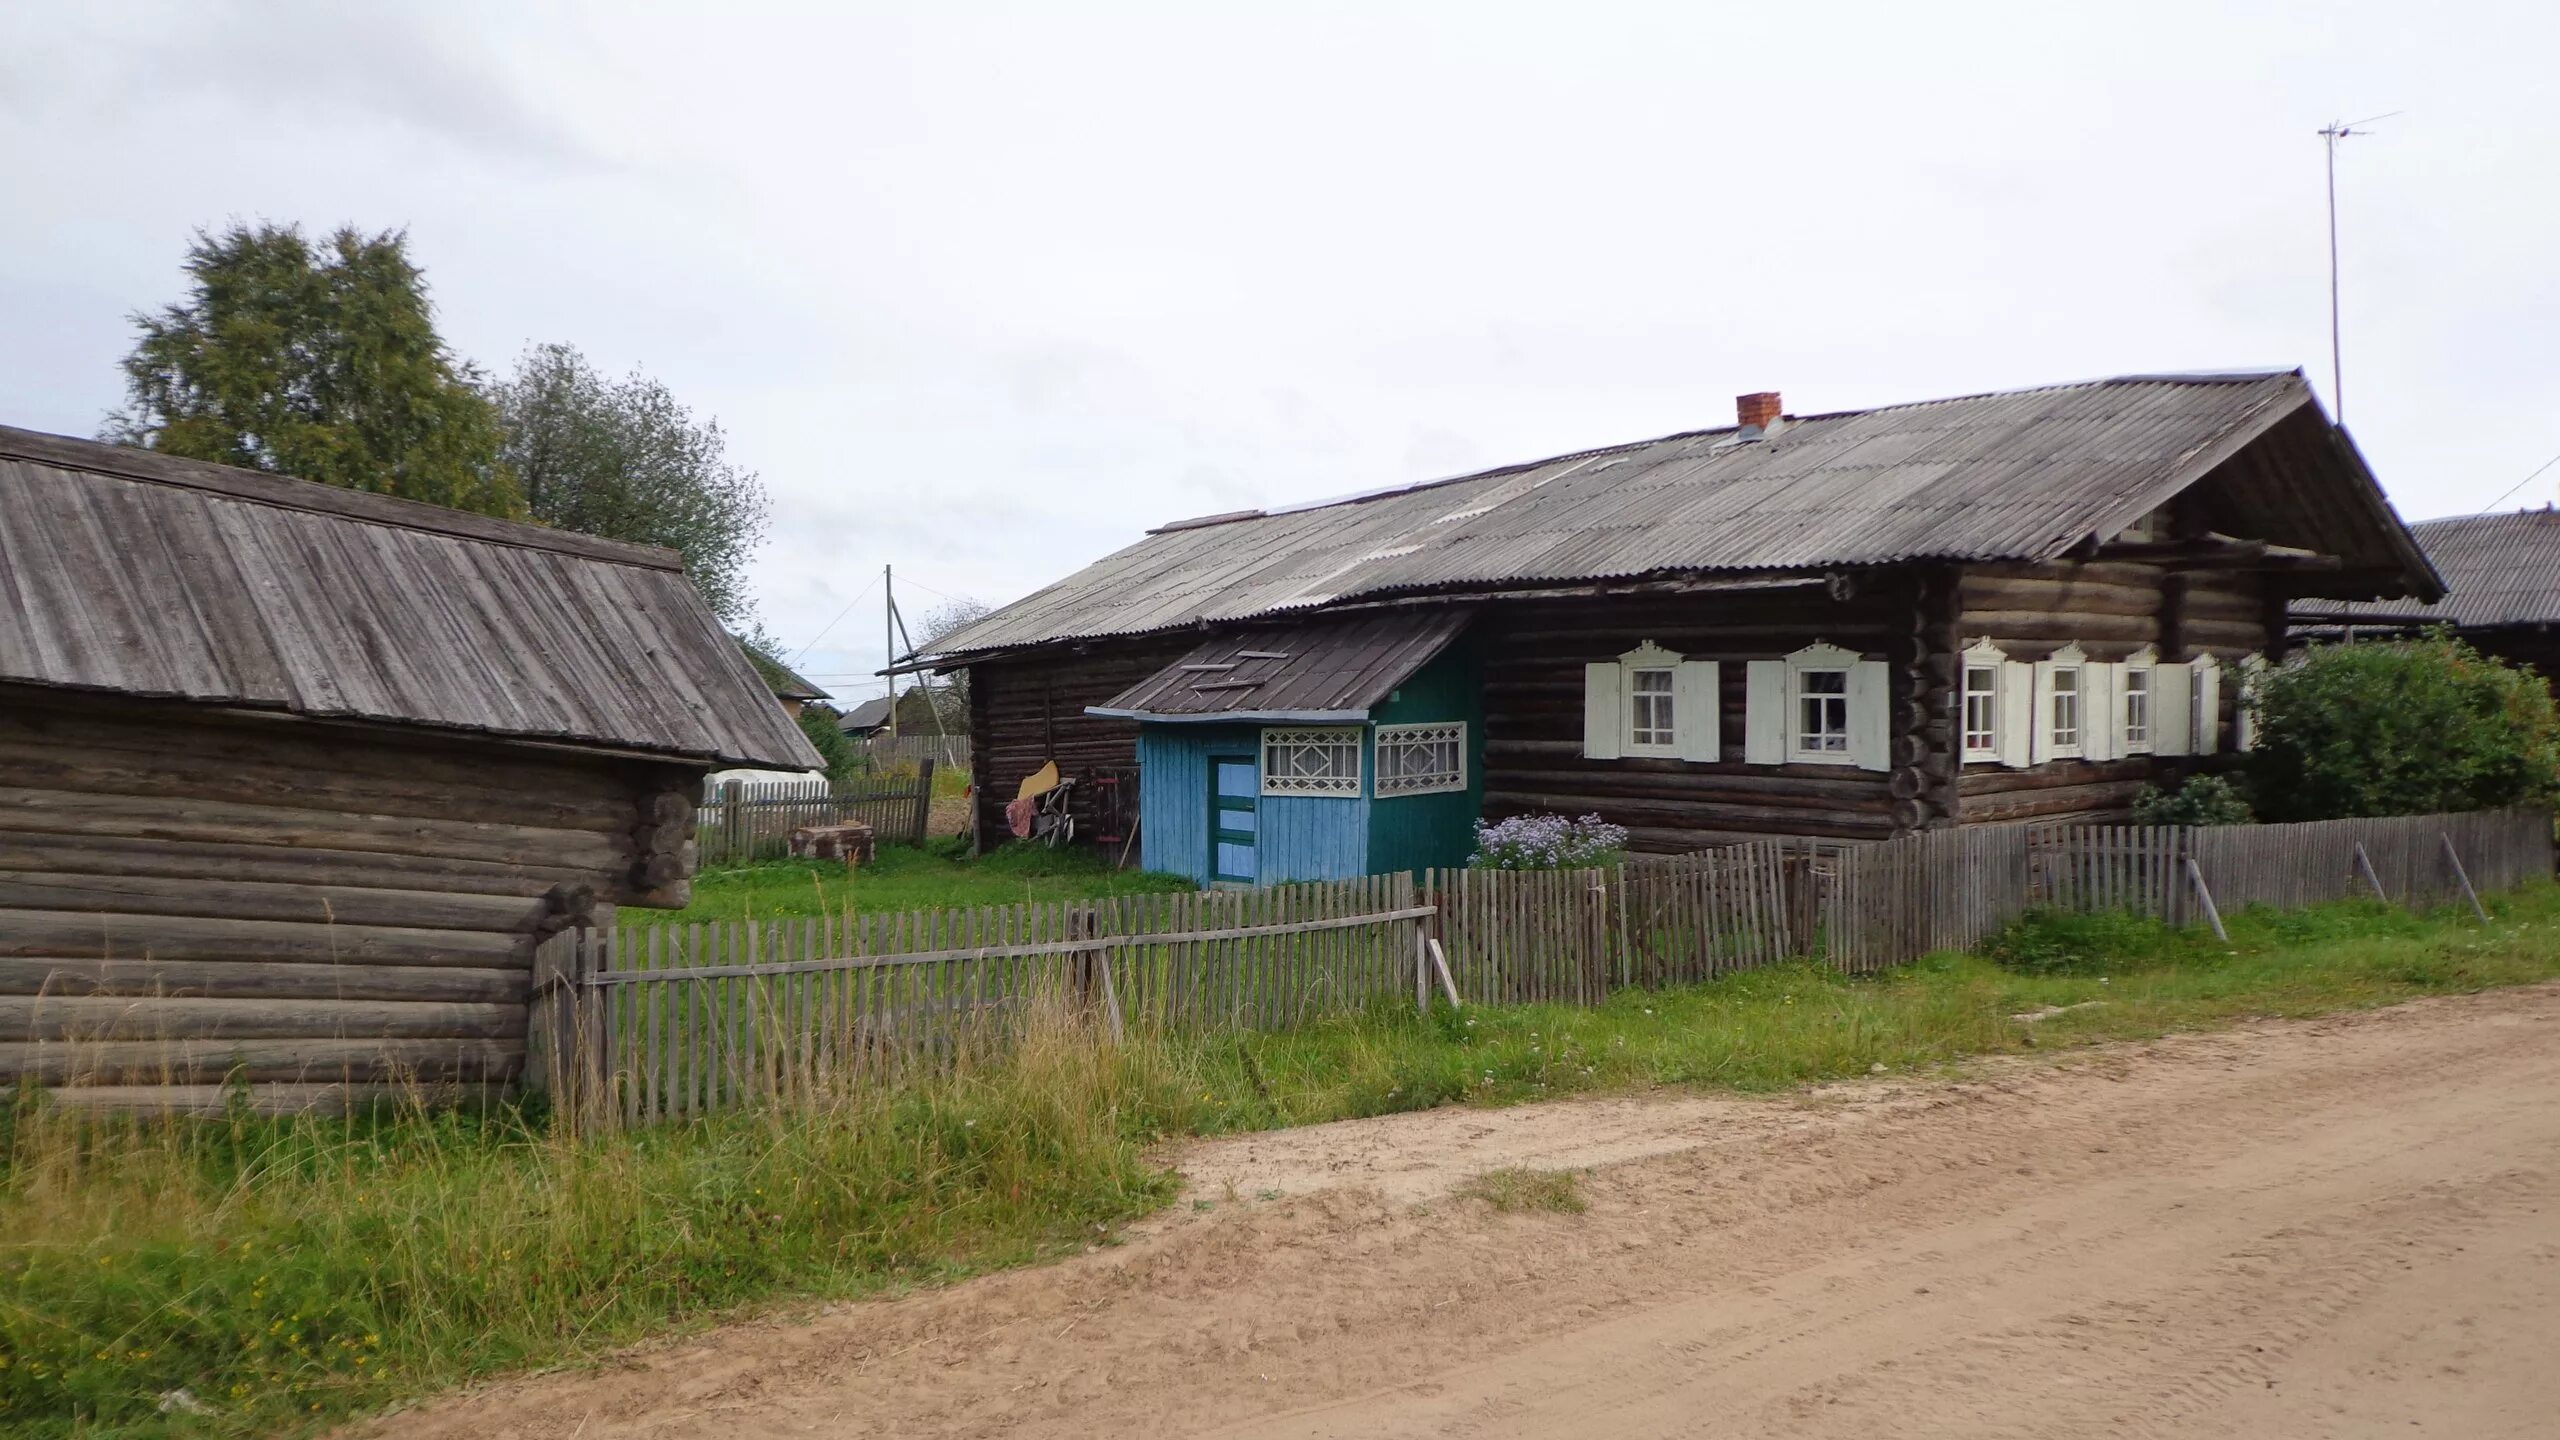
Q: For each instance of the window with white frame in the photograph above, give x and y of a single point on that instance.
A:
(1821, 714)
(2136, 702)
(2062, 718)
(1981, 709)
(1311, 762)
(1652, 723)
(1421, 759)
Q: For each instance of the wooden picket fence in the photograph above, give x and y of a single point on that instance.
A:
(753, 820)
(663, 1022)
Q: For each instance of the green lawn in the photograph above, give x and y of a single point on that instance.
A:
(905, 878)
(287, 1273)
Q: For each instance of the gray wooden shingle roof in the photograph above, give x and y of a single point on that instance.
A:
(136, 573)
(2022, 475)
(1319, 670)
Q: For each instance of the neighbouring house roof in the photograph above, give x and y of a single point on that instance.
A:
(2022, 475)
(866, 717)
(2501, 569)
(1336, 670)
(785, 682)
(131, 572)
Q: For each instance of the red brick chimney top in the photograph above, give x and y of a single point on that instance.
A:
(1757, 411)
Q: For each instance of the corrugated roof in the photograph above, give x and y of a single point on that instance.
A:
(2501, 569)
(866, 717)
(1337, 670)
(127, 571)
(2022, 475)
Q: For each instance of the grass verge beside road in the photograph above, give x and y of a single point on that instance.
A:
(253, 1277)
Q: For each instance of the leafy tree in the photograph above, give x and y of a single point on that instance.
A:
(2403, 728)
(950, 692)
(316, 361)
(626, 460)
(844, 760)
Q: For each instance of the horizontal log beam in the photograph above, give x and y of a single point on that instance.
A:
(272, 1098)
(64, 812)
(65, 934)
(266, 980)
(117, 855)
(165, 1017)
(265, 900)
(179, 1062)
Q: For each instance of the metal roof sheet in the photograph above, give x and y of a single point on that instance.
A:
(2499, 569)
(1328, 670)
(2022, 475)
(127, 571)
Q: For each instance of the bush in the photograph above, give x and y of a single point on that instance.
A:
(2064, 942)
(2203, 800)
(2405, 728)
(1547, 842)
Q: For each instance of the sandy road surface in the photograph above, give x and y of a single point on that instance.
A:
(2345, 1227)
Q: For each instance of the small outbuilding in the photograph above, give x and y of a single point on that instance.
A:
(2502, 591)
(294, 778)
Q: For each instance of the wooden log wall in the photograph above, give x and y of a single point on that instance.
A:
(188, 894)
(1534, 654)
(1028, 711)
(2111, 609)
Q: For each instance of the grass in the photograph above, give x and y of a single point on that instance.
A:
(903, 877)
(290, 1273)
(1517, 1188)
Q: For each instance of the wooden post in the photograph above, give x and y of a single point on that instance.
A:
(2364, 863)
(1421, 970)
(2204, 894)
(924, 800)
(1448, 982)
(1110, 995)
(2464, 876)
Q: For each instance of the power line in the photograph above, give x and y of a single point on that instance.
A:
(830, 625)
(2529, 479)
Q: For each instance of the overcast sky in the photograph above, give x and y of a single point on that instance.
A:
(983, 291)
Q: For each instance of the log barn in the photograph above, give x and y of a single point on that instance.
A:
(2502, 595)
(292, 778)
(1992, 608)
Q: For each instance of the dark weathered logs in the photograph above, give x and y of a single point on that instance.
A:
(288, 865)
(63, 812)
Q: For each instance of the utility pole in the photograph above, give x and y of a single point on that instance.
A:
(2330, 135)
(889, 644)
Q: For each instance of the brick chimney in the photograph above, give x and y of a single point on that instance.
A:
(1759, 411)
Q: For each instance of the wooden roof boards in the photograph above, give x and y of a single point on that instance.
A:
(1317, 671)
(134, 573)
(2022, 475)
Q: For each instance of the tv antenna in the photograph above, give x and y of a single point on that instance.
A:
(2331, 134)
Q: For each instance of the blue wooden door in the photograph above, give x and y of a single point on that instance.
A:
(1233, 827)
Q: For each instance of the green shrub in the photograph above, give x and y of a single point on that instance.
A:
(2063, 942)
(2404, 728)
(2203, 800)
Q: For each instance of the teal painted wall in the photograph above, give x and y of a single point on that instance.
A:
(1415, 832)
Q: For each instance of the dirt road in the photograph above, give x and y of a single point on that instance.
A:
(2345, 1227)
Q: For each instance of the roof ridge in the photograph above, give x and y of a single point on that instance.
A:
(286, 492)
(1360, 497)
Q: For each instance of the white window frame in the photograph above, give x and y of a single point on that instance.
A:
(1862, 704)
(1800, 693)
(1276, 738)
(2048, 744)
(2253, 674)
(1980, 657)
(1452, 734)
(2144, 663)
(1609, 707)
(1647, 659)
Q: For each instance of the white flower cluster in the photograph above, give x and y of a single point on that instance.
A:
(1546, 842)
